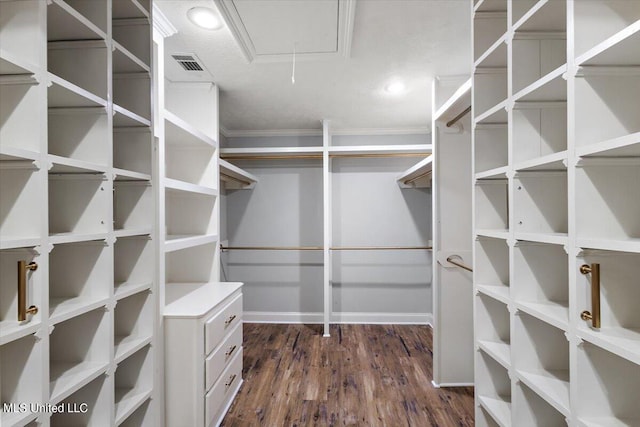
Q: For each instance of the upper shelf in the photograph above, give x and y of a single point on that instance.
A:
(456, 104)
(236, 178)
(179, 132)
(418, 175)
(271, 152)
(381, 150)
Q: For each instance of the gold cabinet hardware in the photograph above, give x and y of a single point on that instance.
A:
(23, 267)
(232, 378)
(230, 351)
(594, 314)
(230, 319)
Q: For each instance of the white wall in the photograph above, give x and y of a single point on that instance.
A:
(285, 209)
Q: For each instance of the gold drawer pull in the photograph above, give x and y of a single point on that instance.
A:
(232, 378)
(230, 351)
(594, 314)
(23, 267)
(230, 319)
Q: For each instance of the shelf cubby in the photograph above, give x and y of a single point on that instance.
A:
(82, 63)
(492, 204)
(491, 148)
(493, 389)
(133, 324)
(535, 55)
(17, 39)
(539, 15)
(492, 268)
(541, 359)
(484, 419)
(489, 26)
(133, 265)
(539, 130)
(20, 370)
(490, 90)
(133, 383)
(607, 389)
(540, 204)
(78, 204)
(131, 91)
(19, 105)
(191, 265)
(189, 214)
(619, 290)
(20, 216)
(620, 49)
(132, 149)
(89, 406)
(612, 17)
(10, 328)
(533, 411)
(131, 9)
(610, 98)
(78, 353)
(78, 279)
(196, 165)
(134, 35)
(141, 417)
(79, 134)
(608, 204)
(493, 329)
(132, 203)
(541, 289)
(76, 20)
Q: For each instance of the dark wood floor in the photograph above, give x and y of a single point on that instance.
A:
(365, 375)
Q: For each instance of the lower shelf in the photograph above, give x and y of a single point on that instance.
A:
(608, 422)
(498, 292)
(66, 378)
(128, 400)
(552, 386)
(621, 341)
(499, 409)
(556, 314)
(125, 346)
(61, 309)
(500, 351)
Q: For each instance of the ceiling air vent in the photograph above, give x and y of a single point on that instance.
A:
(188, 62)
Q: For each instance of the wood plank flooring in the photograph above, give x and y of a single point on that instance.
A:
(364, 375)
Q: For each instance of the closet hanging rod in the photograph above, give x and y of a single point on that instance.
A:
(271, 248)
(233, 178)
(378, 155)
(458, 264)
(378, 248)
(411, 180)
(458, 117)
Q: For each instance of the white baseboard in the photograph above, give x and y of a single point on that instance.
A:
(436, 385)
(342, 318)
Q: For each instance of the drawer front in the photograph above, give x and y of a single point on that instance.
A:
(219, 359)
(223, 388)
(221, 323)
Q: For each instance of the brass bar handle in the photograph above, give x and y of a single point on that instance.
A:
(594, 314)
(230, 319)
(23, 267)
(231, 350)
(232, 378)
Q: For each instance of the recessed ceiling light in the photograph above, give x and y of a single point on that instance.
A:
(205, 18)
(395, 88)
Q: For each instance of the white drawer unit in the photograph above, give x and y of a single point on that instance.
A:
(203, 352)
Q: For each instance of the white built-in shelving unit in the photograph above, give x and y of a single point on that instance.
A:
(556, 92)
(76, 193)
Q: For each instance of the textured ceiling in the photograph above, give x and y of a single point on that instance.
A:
(392, 39)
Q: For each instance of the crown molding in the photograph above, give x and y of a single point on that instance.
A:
(161, 24)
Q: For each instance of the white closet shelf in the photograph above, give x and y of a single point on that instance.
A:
(621, 245)
(13, 65)
(178, 242)
(608, 422)
(552, 386)
(553, 313)
(128, 400)
(193, 300)
(499, 409)
(126, 118)
(551, 87)
(126, 62)
(497, 173)
(415, 172)
(12, 330)
(269, 151)
(621, 48)
(499, 351)
(178, 186)
(495, 114)
(126, 345)
(179, 132)
(382, 149)
(490, 5)
(17, 419)
(13, 154)
(61, 309)
(554, 161)
(456, 103)
(494, 234)
(126, 289)
(236, 177)
(69, 377)
(496, 55)
(60, 238)
(127, 175)
(621, 341)
(545, 15)
(551, 238)
(64, 94)
(129, 9)
(66, 23)
(65, 165)
(132, 232)
(498, 292)
(19, 242)
(625, 146)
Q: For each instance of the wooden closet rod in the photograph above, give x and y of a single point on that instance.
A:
(459, 264)
(271, 248)
(233, 178)
(378, 248)
(458, 117)
(377, 155)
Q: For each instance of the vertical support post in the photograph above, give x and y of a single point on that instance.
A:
(326, 196)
